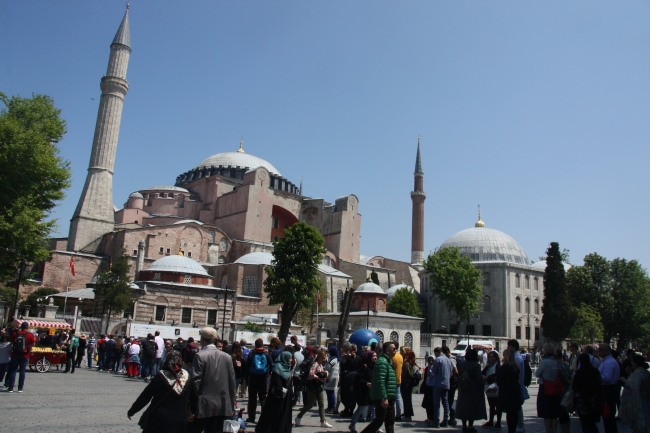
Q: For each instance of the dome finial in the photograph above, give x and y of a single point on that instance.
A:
(241, 145)
(479, 223)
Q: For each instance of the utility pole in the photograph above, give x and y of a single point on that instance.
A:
(20, 274)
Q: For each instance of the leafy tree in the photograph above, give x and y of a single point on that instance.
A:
(32, 300)
(253, 327)
(558, 315)
(588, 327)
(113, 288)
(455, 281)
(8, 293)
(631, 294)
(405, 302)
(292, 279)
(33, 177)
(374, 277)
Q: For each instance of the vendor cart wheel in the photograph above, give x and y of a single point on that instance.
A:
(43, 365)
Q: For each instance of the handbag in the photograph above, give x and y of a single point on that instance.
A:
(568, 400)
(524, 393)
(492, 390)
(554, 387)
(230, 426)
(605, 408)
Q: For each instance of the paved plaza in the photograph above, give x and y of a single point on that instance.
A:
(89, 401)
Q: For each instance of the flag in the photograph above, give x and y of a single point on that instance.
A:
(72, 265)
(319, 298)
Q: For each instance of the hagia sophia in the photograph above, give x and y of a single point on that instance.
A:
(204, 240)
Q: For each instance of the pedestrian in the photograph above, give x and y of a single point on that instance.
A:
(441, 374)
(573, 356)
(243, 387)
(275, 348)
(610, 372)
(410, 379)
(315, 392)
(397, 363)
(509, 390)
(90, 349)
(296, 382)
(276, 412)
(22, 342)
(471, 397)
(588, 349)
(213, 377)
(553, 382)
(118, 353)
(81, 349)
(258, 367)
(134, 359)
(491, 390)
(588, 393)
(427, 389)
(332, 383)
(383, 391)
(5, 356)
(635, 405)
(108, 345)
(189, 349)
(361, 388)
(453, 384)
(169, 394)
(148, 357)
(514, 345)
(237, 362)
(71, 347)
(350, 363)
(160, 346)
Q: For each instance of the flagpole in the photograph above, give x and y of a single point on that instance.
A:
(67, 284)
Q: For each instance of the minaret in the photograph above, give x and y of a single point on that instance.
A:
(94, 215)
(417, 226)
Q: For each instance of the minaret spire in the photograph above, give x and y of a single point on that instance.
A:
(94, 215)
(417, 225)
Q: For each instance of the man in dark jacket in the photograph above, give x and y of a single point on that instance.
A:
(22, 342)
(383, 391)
(109, 345)
(258, 366)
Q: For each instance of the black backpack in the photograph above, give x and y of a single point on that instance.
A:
(20, 344)
(150, 349)
(305, 366)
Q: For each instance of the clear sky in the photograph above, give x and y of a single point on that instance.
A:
(537, 111)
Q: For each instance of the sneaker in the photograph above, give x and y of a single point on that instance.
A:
(20, 390)
(352, 429)
(297, 421)
(10, 390)
(325, 425)
(398, 418)
(444, 424)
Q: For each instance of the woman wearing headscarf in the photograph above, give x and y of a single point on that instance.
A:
(471, 395)
(489, 379)
(509, 398)
(332, 367)
(276, 413)
(635, 405)
(169, 395)
(588, 392)
(361, 388)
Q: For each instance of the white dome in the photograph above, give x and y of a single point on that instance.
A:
(135, 195)
(369, 287)
(237, 159)
(180, 264)
(258, 258)
(391, 292)
(166, 188)
(482, 244)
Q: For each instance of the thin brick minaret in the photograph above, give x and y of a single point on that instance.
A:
(418, 196)
(94, 215)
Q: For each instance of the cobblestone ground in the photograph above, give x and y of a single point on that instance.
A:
(89, 401)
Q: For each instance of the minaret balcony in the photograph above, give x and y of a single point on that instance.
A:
(419, 194)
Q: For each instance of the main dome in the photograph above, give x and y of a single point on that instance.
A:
(238, 159)
(483, 244)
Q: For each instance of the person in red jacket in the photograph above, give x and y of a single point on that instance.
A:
(22, 342)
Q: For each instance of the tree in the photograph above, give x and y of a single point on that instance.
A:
(113, 287)
(588, 327)
(558, 315)
(253, 327)
(33, 177)
(346, 304)
(454, 281)
(631, 295)
(292, 279)
(36, 299)
(404, 302)
(374, 277)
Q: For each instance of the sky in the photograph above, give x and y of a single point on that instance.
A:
(537, 111)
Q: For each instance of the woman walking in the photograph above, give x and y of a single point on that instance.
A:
(587, 388)
(471, 396)
(317, 377)
(117, 354)
(509, 398)
(276, 413)
(332, 368)
(237, 362)
(427, 390)
(554, 379)
(361, 388)
(81, 349)
(635, 406)
(492, 392)
(410, 380)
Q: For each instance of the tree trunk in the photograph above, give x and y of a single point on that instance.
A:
(345, 314)
(108, 321)
(289, 310)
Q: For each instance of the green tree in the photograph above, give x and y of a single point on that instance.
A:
(113, 288)
(253, 327)
(292, 279)
(8, 293)
(33, 177)
(374, 277)
(588, 327)
(558, 315)
(455, 281)
(404, 302)
(631, 294)
(36, 299)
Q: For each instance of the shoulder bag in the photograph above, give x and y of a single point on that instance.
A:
(144, 419)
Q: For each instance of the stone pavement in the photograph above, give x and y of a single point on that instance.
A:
(89, 401)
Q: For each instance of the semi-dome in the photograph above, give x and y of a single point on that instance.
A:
(482, 244)
(391, 292)
(238, 159)
(257, 258)
(135, 195)
(166, 188)
(369, 287)
(178, 263)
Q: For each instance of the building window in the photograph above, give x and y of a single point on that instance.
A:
(224, 281)
(380, 335)
(339, 301)
(487, 304)
(162, 250)
(527, 305)
(408, 340)
(453, 328)
(527, 282)
(181, 201)
(223, 244)
(168, 252)
(212, 317)
(189, 254)
(518, 332)
(129, 311)
(186, 315)
(536, 306)
(222, 260)
(187, 279)
(356, 304)
(487, 330)
(517, 281)
(486, 279)
(536, 283)
(276, 223)
(250, 285)
(527, 332)
(160, 313)
(380, 305)
(536, 334)
(211, 237)
(469, 329)
(156, 276)
(518, 304)
(394, 336)
(135, 252)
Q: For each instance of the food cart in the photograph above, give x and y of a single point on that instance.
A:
(41, 359)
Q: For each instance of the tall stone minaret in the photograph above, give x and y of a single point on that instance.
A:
(418, 196)
(94, 215)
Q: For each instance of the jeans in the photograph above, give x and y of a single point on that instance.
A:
(70, 362)
(313, 395)
(101, 360)
(398, 401)
(493, 403)
(256, 387)
(440, 395)
(213, 424)
(362, 411)
(452, 396)
(80, 357)
(155, 366)
(384, 416)
(520, 419)
(91, 354)
(16, 364)
(331, 399)
(145, 371)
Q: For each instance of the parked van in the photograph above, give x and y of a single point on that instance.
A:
(461, 347)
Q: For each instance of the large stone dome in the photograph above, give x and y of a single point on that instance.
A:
(482, 244)
(237, 159)
(180, 264)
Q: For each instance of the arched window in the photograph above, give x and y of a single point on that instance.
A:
(250, 285)
(518, 304)
(527, 282)
(380, 305)
(222, 260)
(181, 201)
(394, 336)
(211, 237)
(486, 279)
(356, 304)
(517, 281)
(339, 300)
(380, 335)
(224, 281)
(223, 244)
(536, 283)
(536, 306)
(487, 304)
(527, 305)
(408, 340)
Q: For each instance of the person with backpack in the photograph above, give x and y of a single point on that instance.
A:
(81, 350)
(109, 346)
(148, 357)
(441, 371)
(71, 352)
(258, 367)
(22, 342)
(134, 359)
(471, 397)
(317, 377)
(101, 353)
(190, 349)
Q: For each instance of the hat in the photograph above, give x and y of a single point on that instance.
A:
(82, 336)
(208, 333)
(110, 336)
(24, 325)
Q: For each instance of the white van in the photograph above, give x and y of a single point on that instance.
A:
(461, 347)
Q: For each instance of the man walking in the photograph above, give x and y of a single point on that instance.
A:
(514, 345)
(398, 364)
(453, 384)
(610, 372)
(258, 367)
(22, 342)
(213, 377)
(92, 343)
(441, 371)
(71, 349)
(160, 345)
(383, 391)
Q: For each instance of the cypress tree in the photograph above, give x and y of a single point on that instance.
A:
(558, 315)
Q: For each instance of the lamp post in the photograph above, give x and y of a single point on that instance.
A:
(528, 316)
(469, 317)
(19, 271)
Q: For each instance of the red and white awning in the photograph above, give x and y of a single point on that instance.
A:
(47, 324)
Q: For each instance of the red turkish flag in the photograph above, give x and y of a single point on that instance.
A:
(72, 265)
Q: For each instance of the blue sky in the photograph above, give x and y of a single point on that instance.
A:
(537, 111)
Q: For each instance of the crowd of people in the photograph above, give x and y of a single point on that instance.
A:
(194, 386)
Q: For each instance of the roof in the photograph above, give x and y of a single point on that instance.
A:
(257, 258)
(136, 195)
(123, 35)
(189, 221)
(391, 292)
(369, 287)
(180, 264)
(486, 244)
(237, 159)
(76, 294)
(328, 270)
(52, 323)
(418, 161)
(166, 188)
(385, 314)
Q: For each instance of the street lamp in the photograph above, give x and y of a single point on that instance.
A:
(528, 316)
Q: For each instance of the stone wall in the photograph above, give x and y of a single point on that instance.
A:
(54, 271)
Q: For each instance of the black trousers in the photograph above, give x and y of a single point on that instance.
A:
(588, 424)
(70, 363)
(451, 396)
(493, 402)
(610, 397)
(382, 416)
(512, 419)
(213, 424)
(256, 387)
